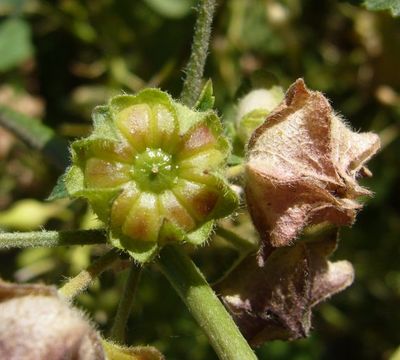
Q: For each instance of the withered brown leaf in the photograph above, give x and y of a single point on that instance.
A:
(302, 167)
(273, 300)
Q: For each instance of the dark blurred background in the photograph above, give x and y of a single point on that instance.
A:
(58, 59)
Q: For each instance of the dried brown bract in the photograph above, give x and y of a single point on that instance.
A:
(274, 300)
(302, 167)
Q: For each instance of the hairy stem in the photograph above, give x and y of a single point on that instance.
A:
(241, 244)
(51, 238)
(195, 67)
(81, 282)
(125, 304)
(36, 135)
(204, 305)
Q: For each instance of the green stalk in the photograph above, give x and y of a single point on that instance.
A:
(125, 305)
(179, 269)
(242, 245)
(51, 238)
(204, 305)
(36, 135)
(81, 282)
(195, 67)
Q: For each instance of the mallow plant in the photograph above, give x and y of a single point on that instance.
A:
(160, 173)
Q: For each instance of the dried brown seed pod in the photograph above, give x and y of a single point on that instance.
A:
(273, 300)
(35, 323)
(302, 166)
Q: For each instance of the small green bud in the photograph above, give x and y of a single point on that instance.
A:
(152, 171)
(254, 108)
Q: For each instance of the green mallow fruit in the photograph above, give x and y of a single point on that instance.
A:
(153, 172)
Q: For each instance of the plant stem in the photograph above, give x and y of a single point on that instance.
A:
(204, 305)
(195, 67)
(179, 269)
(241, 244)
(125, 304)
(36, 135)
(51, 238)
(81, 282)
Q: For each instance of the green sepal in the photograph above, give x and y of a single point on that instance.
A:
(74, 180)
(227, 202)
(214, 123)
(188, 117)
(100, 148)
(201, 235)
(211, 121)
(140, 251)
(170, 232)
(68, 184)
(100, 200)
(103, 126)
(147, 96)
(60, 190)
(206, 99)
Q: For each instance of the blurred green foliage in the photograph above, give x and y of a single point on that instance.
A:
(392, 5)
(15, 45)
(61, 58)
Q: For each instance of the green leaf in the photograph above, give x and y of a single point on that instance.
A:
(36, 135)
(30, 214)
(13, 7)
(171, 8)
(15, 43)
(376, 5)
(206, 99)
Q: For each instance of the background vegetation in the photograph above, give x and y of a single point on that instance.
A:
(60, 58)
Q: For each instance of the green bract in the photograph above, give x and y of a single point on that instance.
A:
(151, 170)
